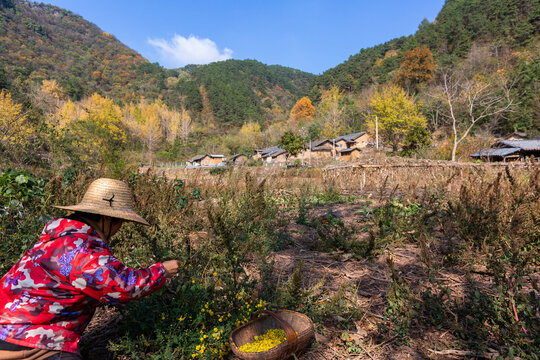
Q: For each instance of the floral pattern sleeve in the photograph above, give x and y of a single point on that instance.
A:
(100, 275)
(49, 296)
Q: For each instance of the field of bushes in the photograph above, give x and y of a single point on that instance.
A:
(389, 263)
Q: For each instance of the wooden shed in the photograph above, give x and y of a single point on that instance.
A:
(349, 154)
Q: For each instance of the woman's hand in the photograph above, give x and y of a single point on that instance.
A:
(171, 266)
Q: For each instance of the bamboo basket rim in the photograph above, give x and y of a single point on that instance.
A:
(280, 348)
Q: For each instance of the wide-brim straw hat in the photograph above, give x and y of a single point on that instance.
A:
(108, 197)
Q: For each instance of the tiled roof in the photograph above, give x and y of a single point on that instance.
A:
(196, 158)
(495, 152)
(528, 145)
(236, 156)
(348, 150)
(277, 153)
(270, 151)
(317, 143)
(350, 137)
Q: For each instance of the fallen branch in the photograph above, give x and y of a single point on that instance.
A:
(486, 355)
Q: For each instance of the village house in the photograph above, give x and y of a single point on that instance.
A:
(349, 154)
(320, 149)
(355, 140)
(206, 160)
(510, 150)
(263, 153)
(274, 154)
(238, 159)
(279, 157)
(321, 152)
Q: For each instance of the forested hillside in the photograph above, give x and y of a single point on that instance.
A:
(247, 90)
(458, 25)
(507, 30)
(43, 42)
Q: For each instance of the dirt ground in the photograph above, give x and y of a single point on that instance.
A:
(367, 282)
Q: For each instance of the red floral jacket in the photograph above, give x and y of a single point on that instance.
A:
(50, 295)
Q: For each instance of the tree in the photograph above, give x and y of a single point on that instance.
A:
(293, 143)
(472, 100)
(303, 110)
(4, 81)
(49, 97)
(98, 135)
(417, 67)
(417, 138)
(186, 124)
(330, 112)
(143, 120)
(14, 128)
(396, 114)
(250, 135)
(66, 114)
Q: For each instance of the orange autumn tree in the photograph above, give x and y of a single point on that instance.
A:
(417, 67)
(303, 109)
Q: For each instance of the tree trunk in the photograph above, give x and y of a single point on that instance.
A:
(454, 149)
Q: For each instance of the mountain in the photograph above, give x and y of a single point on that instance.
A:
(43, 42)
(459, 24)
(247, 89)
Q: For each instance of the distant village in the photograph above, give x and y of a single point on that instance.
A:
(343, 148)
(347, 148)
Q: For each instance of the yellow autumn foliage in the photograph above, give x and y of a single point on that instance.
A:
(14, 127)
(97, 133)
(396, 113)
(143, 120)
(250, 135)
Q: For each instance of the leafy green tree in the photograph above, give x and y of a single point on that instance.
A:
(417, 137)
(73, 88)
(4, 81)
(293, 143)
(314, 131)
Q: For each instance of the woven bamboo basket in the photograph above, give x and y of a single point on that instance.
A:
(298, 329)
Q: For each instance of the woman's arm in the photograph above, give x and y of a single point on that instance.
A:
(99, 274)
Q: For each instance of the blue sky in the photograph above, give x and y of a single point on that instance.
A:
(310, 35)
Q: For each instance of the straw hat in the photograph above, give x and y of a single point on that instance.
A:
(108, 197)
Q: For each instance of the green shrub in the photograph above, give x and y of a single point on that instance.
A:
(192, 317)
(23, 203)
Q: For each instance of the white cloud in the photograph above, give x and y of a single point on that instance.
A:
(181, 51)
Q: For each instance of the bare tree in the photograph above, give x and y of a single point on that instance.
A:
(472, 100)
(186, 125)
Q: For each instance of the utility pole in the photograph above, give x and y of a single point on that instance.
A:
(377, 132)
(309, 151)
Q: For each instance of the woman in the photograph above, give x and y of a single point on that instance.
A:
(48, 298)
